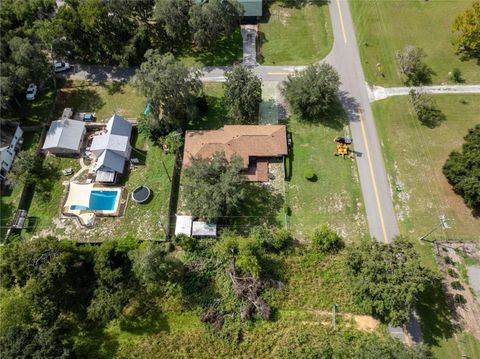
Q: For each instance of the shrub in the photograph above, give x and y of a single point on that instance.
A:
(457, 285)
(326, 240)
(187, 243)
(448, 260)
(426, 109)
(281, 239)
(456, 75)
(309, 174)
(459, 299)
(452, 273)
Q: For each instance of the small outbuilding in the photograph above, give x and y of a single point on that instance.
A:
(183, 225)
(204, 229)
(65, 137)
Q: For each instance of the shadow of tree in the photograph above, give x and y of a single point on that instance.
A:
(114, 87)
(335, 117)
(435, 314)
(151, 321)
(228, 50)
(260, 207)
(81, 99)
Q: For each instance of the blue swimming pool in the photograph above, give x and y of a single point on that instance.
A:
(99, 201)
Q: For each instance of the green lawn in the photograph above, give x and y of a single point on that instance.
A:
(227, 51)
(104, 99)
(335, 197)
(414, 156)
(383, 27)
(294, 36)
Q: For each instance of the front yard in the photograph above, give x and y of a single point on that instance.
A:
(383, 27)
(414, 156)
(335, 196)
(294, 36)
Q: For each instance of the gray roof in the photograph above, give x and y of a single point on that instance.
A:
(110, 160)
(7, 131)
(118, 126)
(113, 147)
(204, 229)
(107, 141)
(252, 7)
(66, 134)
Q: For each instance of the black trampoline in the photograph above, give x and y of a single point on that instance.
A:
(141, 194)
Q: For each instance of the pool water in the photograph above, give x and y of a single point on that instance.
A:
(99, 201)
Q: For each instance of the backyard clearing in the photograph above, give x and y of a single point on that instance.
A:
(141, 221)
(414, 157)
(384, 27)
(294, 36)
(104, 99)
(334, 197)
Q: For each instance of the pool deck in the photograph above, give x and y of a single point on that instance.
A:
(87, 217)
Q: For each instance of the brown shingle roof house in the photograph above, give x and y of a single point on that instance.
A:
(255, 144)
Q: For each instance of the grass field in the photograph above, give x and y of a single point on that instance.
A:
(388, 26)
(294, 36)
(414, 156)
(335, 197)
(227, 51)
(104, 99)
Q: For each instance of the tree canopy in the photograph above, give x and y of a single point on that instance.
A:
(214, 186)
(243, 95)
(388, 278)
(426, 109)
(411, 64)
(466, 30)
(462, 169)
(171, 88)
(311, 92)
(209, 20)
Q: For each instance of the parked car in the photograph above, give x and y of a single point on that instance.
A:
(60, 66)
(31, 92)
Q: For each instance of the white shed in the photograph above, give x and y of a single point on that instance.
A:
(184, 225)
(204, 229)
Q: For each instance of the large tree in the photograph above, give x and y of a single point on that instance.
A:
(243, 95)
(411, 64)
(209, 20)
(463, 169)
(311, 92)
(171, 88)
(466, 29)
(173, 16)
(214, 186)
(388, 278)
(426, 109)
(21, 64)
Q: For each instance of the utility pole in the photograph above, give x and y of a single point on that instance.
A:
(443, 224)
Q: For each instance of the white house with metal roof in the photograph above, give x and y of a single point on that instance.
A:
(112, 148)
(65, 137)
(10, 138)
